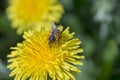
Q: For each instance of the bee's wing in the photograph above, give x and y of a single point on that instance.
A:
(53, 26)
(59, 26)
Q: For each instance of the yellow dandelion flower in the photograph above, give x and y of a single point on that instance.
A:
(40, 56)
(25, 13)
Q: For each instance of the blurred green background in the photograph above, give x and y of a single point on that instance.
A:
(95, 22)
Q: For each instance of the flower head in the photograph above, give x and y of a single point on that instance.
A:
(36, 58)
(25, 13)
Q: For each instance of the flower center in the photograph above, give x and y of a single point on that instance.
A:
(32, 10)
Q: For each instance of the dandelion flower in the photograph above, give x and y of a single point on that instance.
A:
(25, 13)
(37, 59)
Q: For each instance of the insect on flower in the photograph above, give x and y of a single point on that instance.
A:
(55, 31)
(40, 61)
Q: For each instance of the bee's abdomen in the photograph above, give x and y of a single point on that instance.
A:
(52, 39)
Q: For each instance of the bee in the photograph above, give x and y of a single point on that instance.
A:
(55, 31)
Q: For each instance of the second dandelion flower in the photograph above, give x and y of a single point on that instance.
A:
(26, 13)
